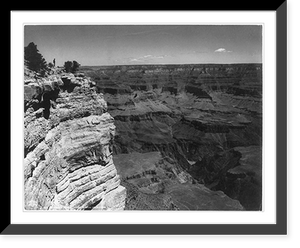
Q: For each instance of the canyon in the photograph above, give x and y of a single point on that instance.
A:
(144, 137)
(187, 137)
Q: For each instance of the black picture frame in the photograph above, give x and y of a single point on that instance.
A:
(280, 228)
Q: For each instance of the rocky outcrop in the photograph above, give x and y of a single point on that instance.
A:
(68, 137)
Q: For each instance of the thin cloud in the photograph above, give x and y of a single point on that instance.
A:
(133, 60)
(152, 57)
(143, 59)
(147, 58)
(222, 50)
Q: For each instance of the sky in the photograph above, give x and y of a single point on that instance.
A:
(147, 44)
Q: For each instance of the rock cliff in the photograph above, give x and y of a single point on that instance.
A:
(68, 136)
(184, 132)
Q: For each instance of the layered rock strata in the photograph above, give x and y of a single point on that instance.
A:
(202, 122)
(68, 137)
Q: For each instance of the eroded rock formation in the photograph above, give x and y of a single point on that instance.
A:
(177, 137)
(68, 137)
(185, 131)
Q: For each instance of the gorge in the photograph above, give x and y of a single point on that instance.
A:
(188, 137)
(144, 137)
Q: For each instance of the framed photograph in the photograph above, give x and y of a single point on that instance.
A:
(148, 122)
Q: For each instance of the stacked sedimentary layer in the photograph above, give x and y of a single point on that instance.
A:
(180, 127)
(68, 137)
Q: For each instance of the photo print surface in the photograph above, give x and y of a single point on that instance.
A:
(143, 117)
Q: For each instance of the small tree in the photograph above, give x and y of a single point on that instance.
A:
(33, 59)
(68, 66)
(75, 66)
(71, 66)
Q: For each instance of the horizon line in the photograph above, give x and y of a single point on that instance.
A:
(158, 64)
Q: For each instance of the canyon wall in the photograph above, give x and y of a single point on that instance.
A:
(68, 137)
(187, 136)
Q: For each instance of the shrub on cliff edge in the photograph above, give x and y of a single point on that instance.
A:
(71, 66)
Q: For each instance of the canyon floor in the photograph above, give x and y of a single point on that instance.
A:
(187, 137)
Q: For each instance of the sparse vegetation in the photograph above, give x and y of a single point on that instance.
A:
(70, 66)
(34, 59)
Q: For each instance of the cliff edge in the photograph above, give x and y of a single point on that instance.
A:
(68, 137)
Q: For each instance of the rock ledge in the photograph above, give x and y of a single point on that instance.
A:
(68, 137)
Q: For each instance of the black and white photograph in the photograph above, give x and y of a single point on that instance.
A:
(143, 117)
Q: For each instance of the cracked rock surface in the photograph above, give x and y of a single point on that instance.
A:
(68, 137)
